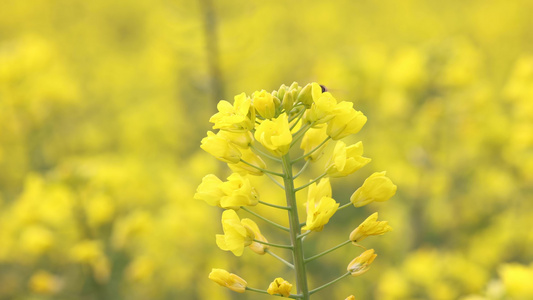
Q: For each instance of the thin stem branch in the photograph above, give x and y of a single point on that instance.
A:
(298, 135)
(301, 236)
(328, 284)
(301, 170)
(344, 206)
(310, 182)
(327, 251)
(274, 205)
(265, 219)
(312, 151)
(275, 181)
(265, 154)
(280, 259)
(297, 117)
(261, 169)
(274, 245)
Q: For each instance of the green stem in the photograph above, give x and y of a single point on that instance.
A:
(297, 251)
(265, 292)
(299, 116)
(344, 206)
(327, 251)
(265, 219)
(301, 170)
(273, 245)
(261, 169)
(301, 236)
(298, 135)
(275, 181)
(310, 182)
(274, 205)
(328, 284)
(312, 151)
(280, 259)
(265, 154)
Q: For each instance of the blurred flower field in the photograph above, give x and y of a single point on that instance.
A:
(103, 105)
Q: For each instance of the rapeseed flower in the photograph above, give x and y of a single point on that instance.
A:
(346, 121)
(275, 135)
(229, 280)
(377, 187)
(236, 234)
(346, 160)
(221, 148)
(370, 226)
(238, 117)
(361, 264)
(280, 286)
(265, 104)
(312, 139)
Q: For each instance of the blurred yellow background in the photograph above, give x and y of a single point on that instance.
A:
(103, 105)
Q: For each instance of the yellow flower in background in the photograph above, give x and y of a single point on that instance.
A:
(87, 251)
(36, 239)
(370, 226)
(318, 214)
(237, 117)
(517, 280)
(346, 121)
(255, 246)
(238, 191)
(236, 236)
(221, 148)
(346, 160)
(351, 297)
(42, 282)
(251, 158)
(311, 139)
(280, 286)
(264, 104)
(275, 135)
(209, 190)
(241, 139)
(361, 264)
(229, 280)
(377, 187)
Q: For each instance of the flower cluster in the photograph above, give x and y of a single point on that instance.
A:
(269, 126)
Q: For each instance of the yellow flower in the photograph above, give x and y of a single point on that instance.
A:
(238, 117)
(250, 157)
(361, 264)
(238, 191)
(377, 187)
(370, 226)
(320, 206)
(43, 282)
(322, 109)
(236, 236)
(241, 139)
(346, 121)
(346, 160)
(229, 280)
(275, 135)
(221, 148)
(280, 286)
(264, 104)
(209, 190)
(311, 139)
(255, 246)
(351, 297)
(309, 93)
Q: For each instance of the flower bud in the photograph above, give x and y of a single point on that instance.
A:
(229, 280)
(288, 101)
(361, 264)
(370, 226)
(220, 148)
(280, 286)
(346, 121)
(377, 187)
(209, 190)
(264, 104)
(251, 158)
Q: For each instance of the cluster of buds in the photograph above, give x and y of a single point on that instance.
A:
(269, 126)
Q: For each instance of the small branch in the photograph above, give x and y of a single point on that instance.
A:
(301, 170)
(344, 206)
(274, 205)
(301, 236)
(312, 151)
(261, 169)
(328, 284)
(265, 154)
(298, 135)
(310, 182)
(297, 117)
(327, 251)
(275, 181)
(274, 245)
(280, 259)
(265, 219)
